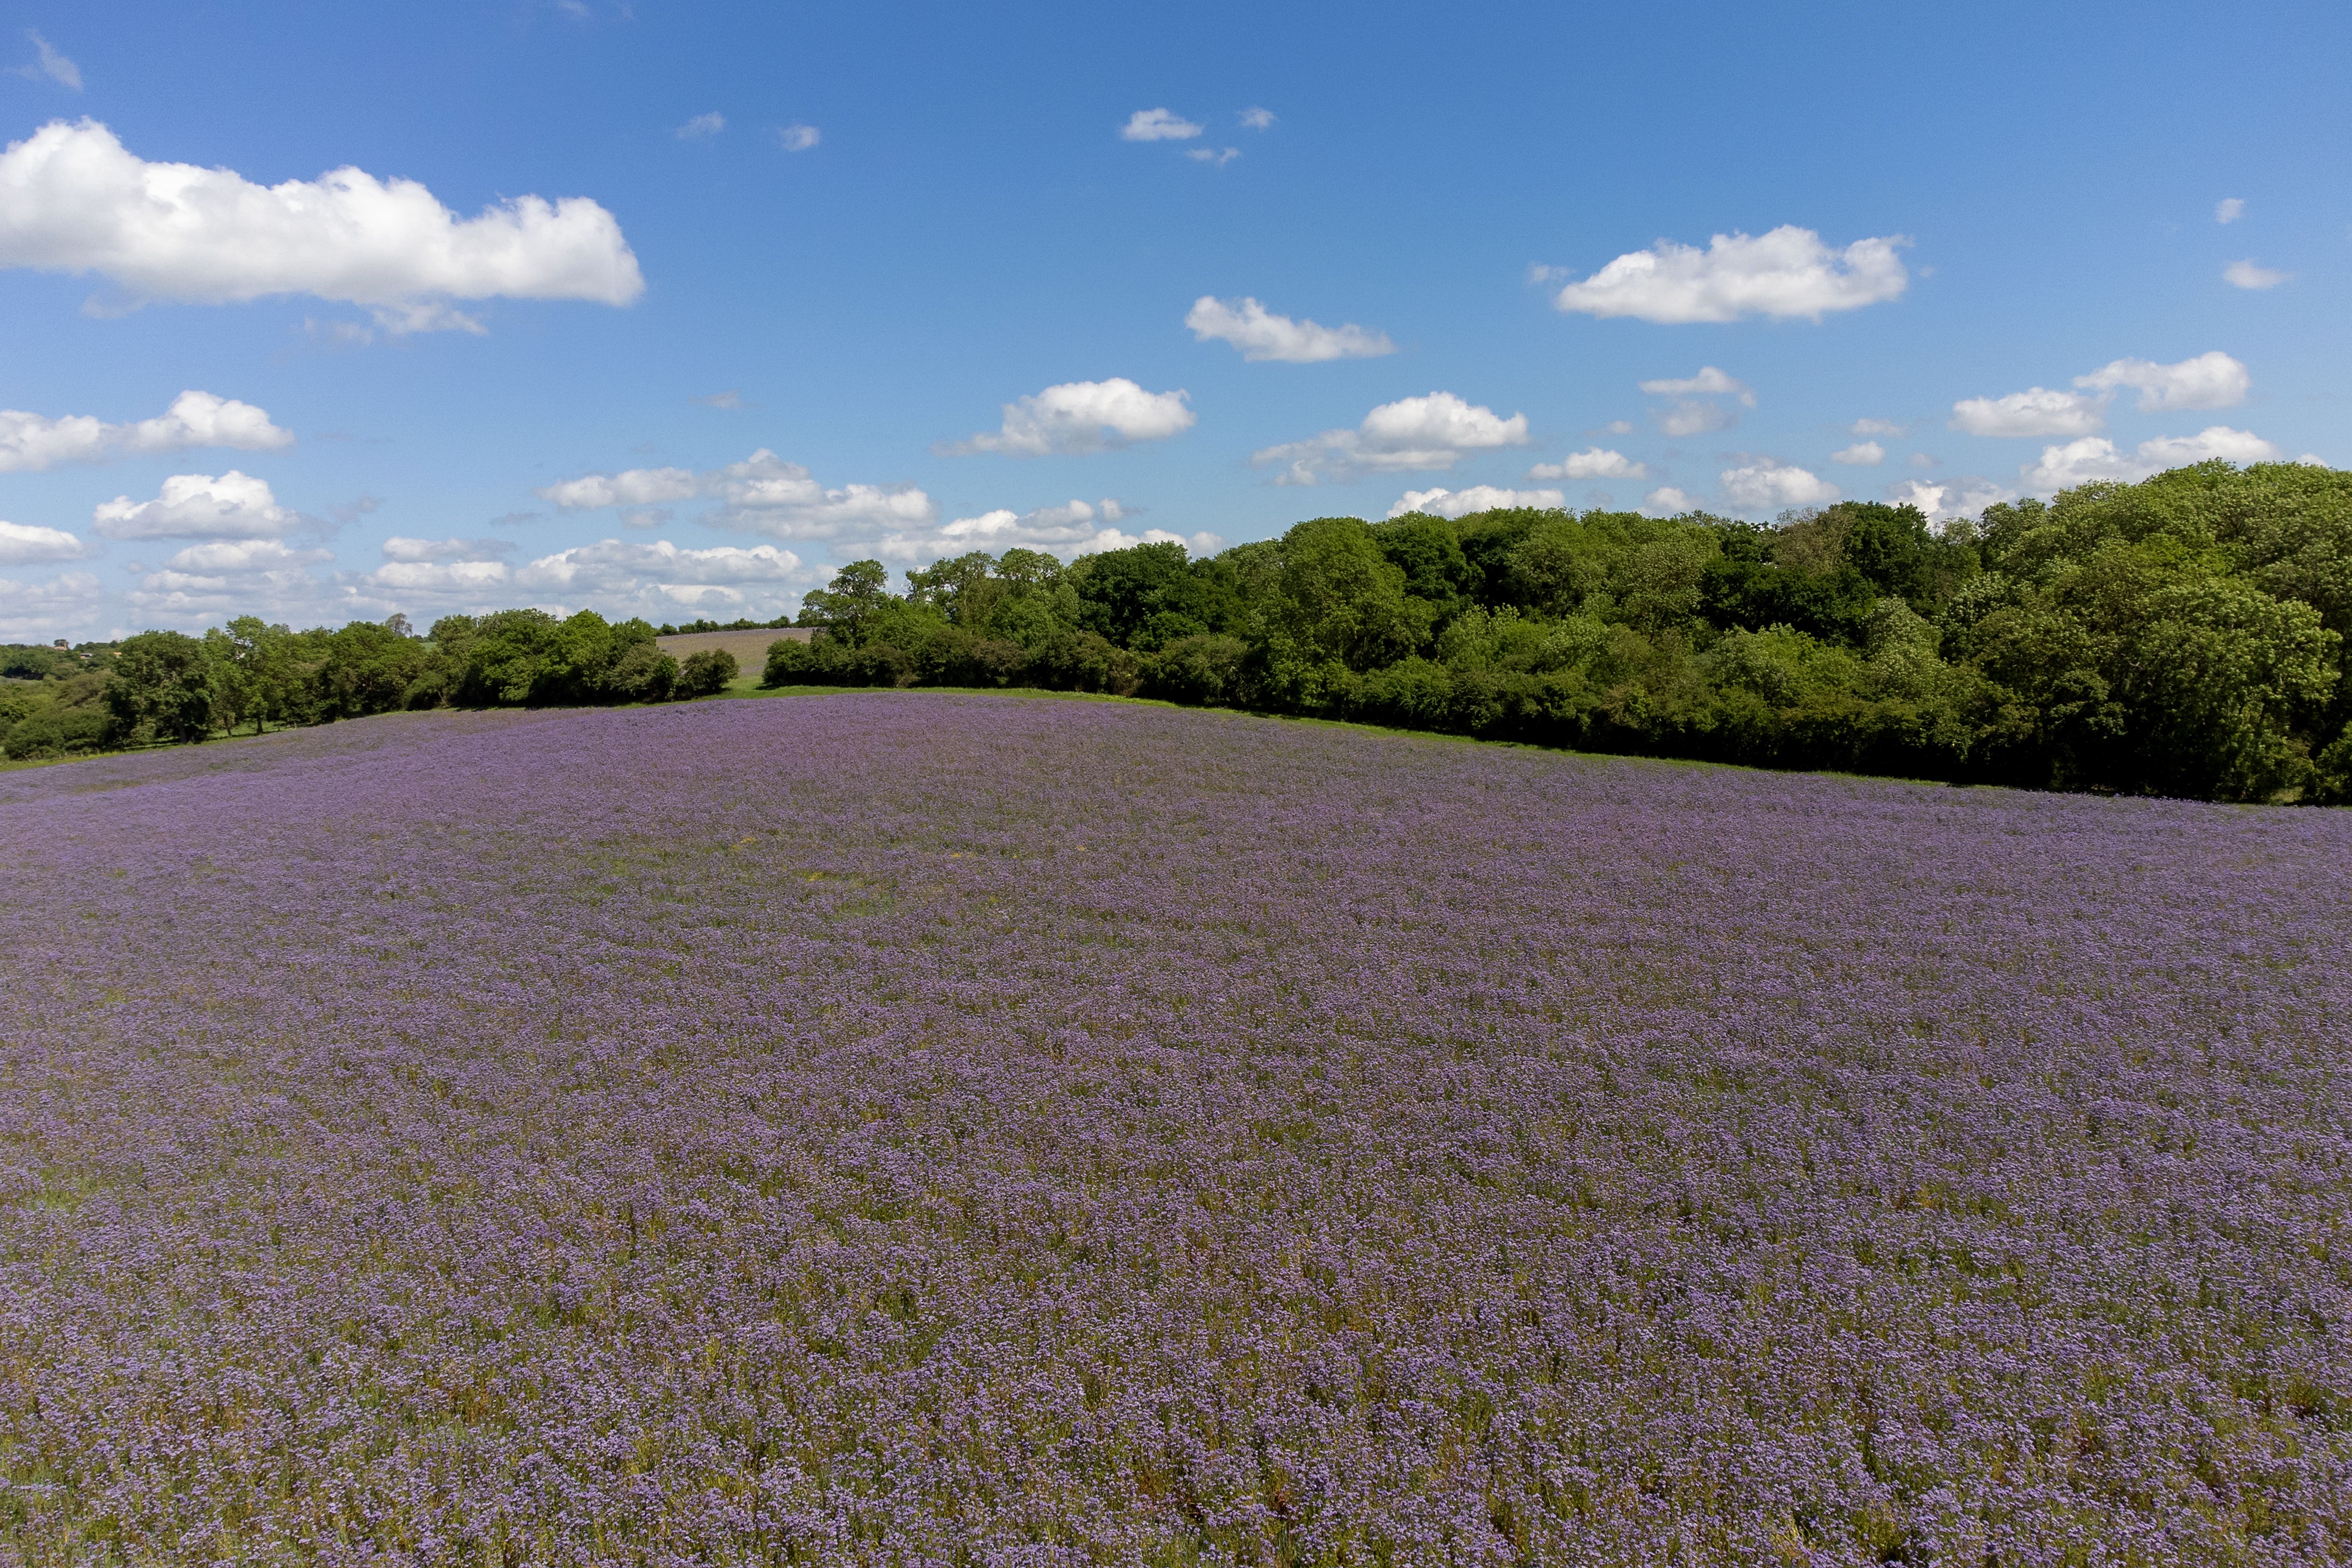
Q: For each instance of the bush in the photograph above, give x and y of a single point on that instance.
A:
(56, 733)
(646, 674)
(706, 674)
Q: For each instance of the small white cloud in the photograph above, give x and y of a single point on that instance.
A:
(2248, 274)
(2229, 209)
(799, 138)
(50, 64)
(43, 610)
(1413, 433)
(1787, 272)
(1260, 334)
(1695, 416)
(2209, 381)
(763, 494)
(30, 442)
(2037, 411)
(1218, 156)
(77, 202)
(1080, 417)
(1069, 530)
(2095, 458)
(1861, 454)
(1475, 498)
(196, 506)
(1708, 381)
(701, 126)
(1597, 463)
(1866, 427)
(728, 399)
(24, 542)
(1257, 119)
(409, 549)
(1766, 484)
(1157, 125)
(1943, 503)
(1920, 460)
(237, 558)
(1618, 427)
(1666, 501)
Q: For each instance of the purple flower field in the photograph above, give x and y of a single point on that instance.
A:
(921, 1129)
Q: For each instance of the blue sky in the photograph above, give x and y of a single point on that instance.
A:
(687, 305)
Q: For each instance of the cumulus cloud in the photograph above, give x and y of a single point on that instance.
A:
(74, 200)
(21, 543)
(1474, 498)
(1787, 272)
(401, 548)
(2229, 209)
(231, 557)
(1875, 427)
(1596, 463)
(232, 576)
(2095, 458)
(1260, 334)
(1219, 156)
(799, 138)
(701, 125)
(1157, 125)
(1945, 502)
(1708, 381)
(30, 442)
(2209, 381)
(729, 399)
(763, 494)
(1861, 454)
(1257, 119)
(2249, 273)
(2037, 411)
(1069, 530)
(1079, 417)
(48, 62)
(235, 506)
(1666, 501)
(39, 611)
(1766, 484)
(1920, 460)
(1431, 432)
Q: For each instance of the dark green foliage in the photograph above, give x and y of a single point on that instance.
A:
(162, 688)
(702, 674)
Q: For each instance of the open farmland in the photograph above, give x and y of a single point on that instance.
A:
(932, 1129)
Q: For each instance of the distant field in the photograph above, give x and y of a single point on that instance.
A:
(898, 1128)
(749, 648)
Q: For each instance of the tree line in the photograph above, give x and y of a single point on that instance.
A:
(2186, 635)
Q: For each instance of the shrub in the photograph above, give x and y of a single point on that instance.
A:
(706, 673)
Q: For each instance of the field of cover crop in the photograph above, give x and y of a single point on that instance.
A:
(905, 1128)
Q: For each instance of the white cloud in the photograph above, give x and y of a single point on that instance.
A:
(2209, 381)
(1666, 501)
(1260, 334)
(1695, 416)
(1765, 484)
(45, 610)
(1220, 157)
(1875, 427)
(24, 542)
(2249, 273)
(230, 576)
(50, 64)
(1943, 503)
(1787, 272)
(763, 494)
(1257, 119)
(2229, 209)
(629, 567)
(799, 138)
(1069, 530)
(2037, 411)
(198, 506)
(729, 399)
(1596, 463)
(1861, 454)
(2095, 458)
(1708, 381)
(233, 558)
(1616, 427)
(1474, 498)
(701, 125)
(74, 200)
(1431, 432)
(1080, 417)
(1920, 460)
(30, 442)
(1157, 125)
(400, 549)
